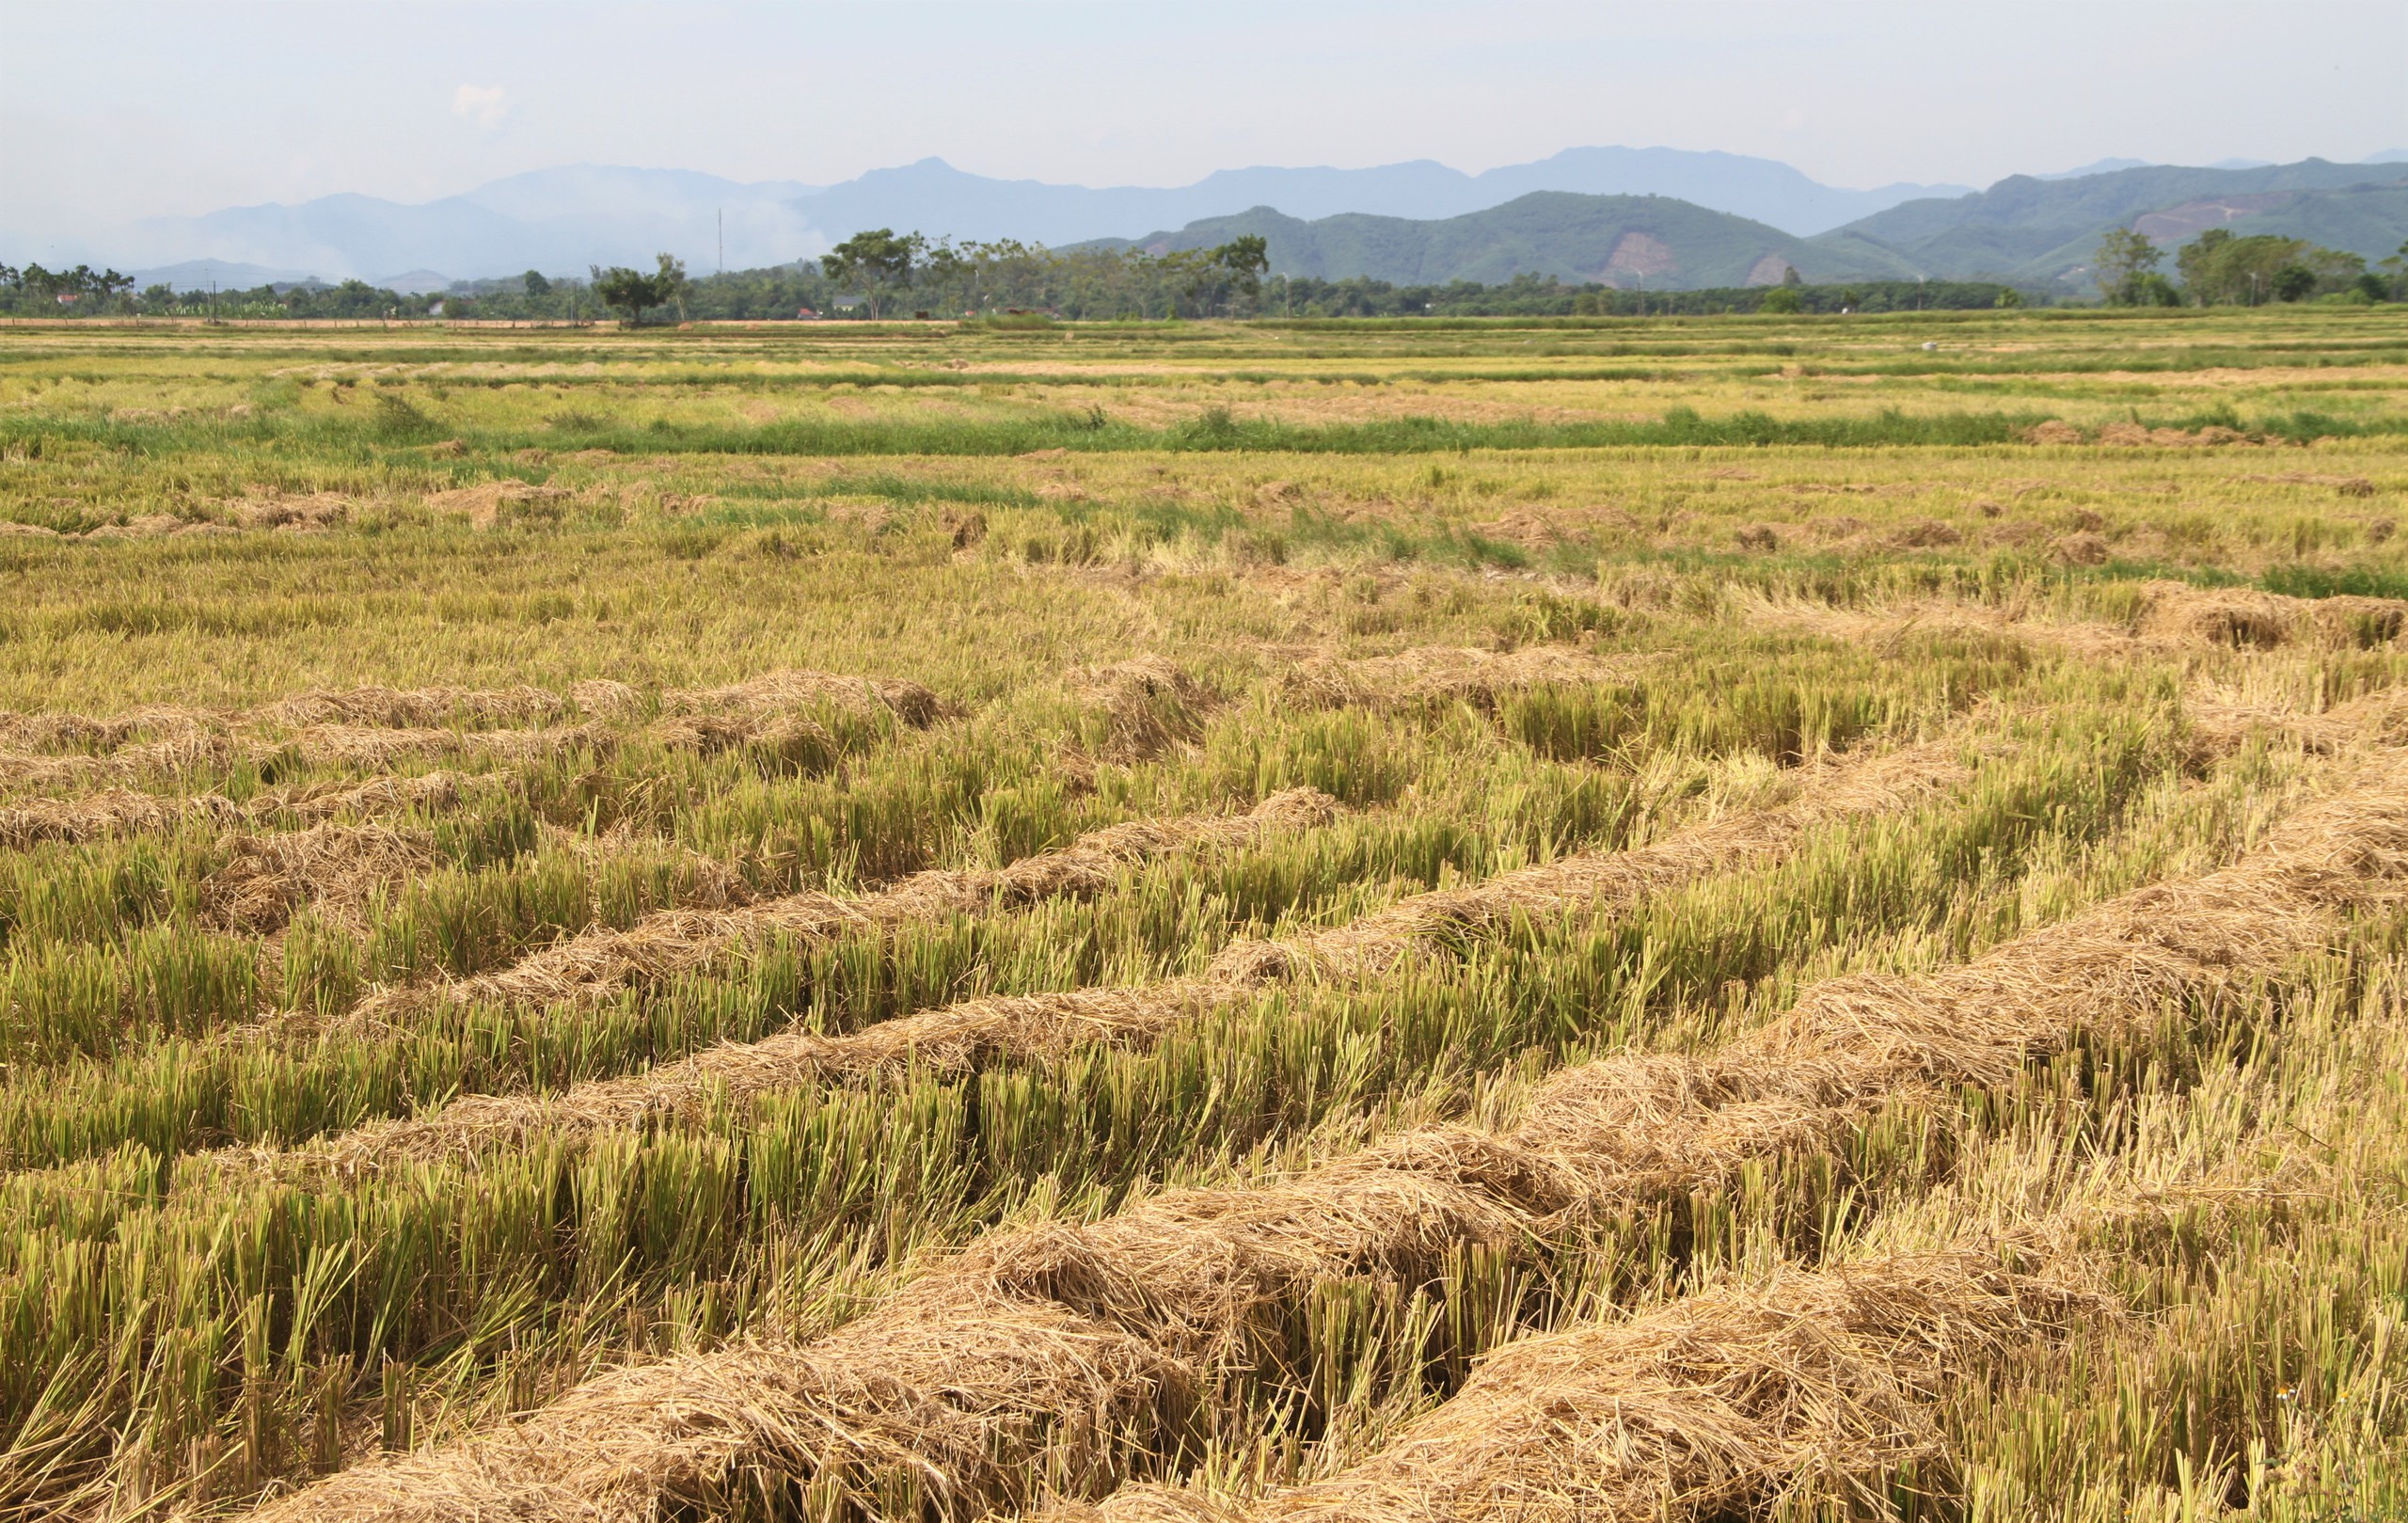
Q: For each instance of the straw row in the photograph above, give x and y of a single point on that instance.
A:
(2171, 617)
(376, 707)
(379, 727)
(338, 869)
(417, 708)
(1603, 880)
(979, 1032)
(117, 812)
(794, 738)
(671, 941)
(1053, 1356)
(337, 745)
(1130, 692)
(1729, 1400)
(1442, 674)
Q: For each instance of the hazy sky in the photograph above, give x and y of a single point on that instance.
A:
(109, 111)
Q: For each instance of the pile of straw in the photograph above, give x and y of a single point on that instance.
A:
(369, 706)
(1854, 1045)
(338, 868)
(1148, 704)
(2179, 614)
(364, 745)
(341, 745)
(786, 741)
(430, 791)
(2378, 718)
(895, 1414)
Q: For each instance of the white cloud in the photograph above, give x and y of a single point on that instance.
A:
(485, 104)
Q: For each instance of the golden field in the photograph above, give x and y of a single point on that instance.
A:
(1570, 920)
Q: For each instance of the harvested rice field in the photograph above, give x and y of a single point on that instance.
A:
(1613, 919)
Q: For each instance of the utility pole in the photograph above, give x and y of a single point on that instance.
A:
(722, 240)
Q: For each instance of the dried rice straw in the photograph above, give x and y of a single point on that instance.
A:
(671, 941)
(1195, 1281)
(1150, 706)
(1729, 1400)
(336, 867)
(979, 1032)
(2172, 616)
(117, 812)
(1604, 880)
(1430, 675)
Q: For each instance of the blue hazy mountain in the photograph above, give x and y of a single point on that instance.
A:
(932, 194)
(555, 220)
(561, 220)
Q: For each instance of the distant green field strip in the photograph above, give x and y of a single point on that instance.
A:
(1017, 436)
(1215, 431)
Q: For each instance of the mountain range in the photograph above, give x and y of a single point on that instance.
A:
(561, 220)
(1643, 241)
(2026, 230)
(1671, 218)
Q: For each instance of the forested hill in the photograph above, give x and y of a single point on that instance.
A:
(1621, 240)
(2027, 228)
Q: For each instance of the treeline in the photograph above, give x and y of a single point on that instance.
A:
(881, 274)
(1535, 296)
(63, 288)
(1071, 284)
(875, 274)
(36, 292)
(2217, 269)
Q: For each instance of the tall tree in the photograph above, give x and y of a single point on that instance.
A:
(2197, 264)
(878, 261)
(2124, 257)
(1247, 259)
(671, 282)
(634, 292)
